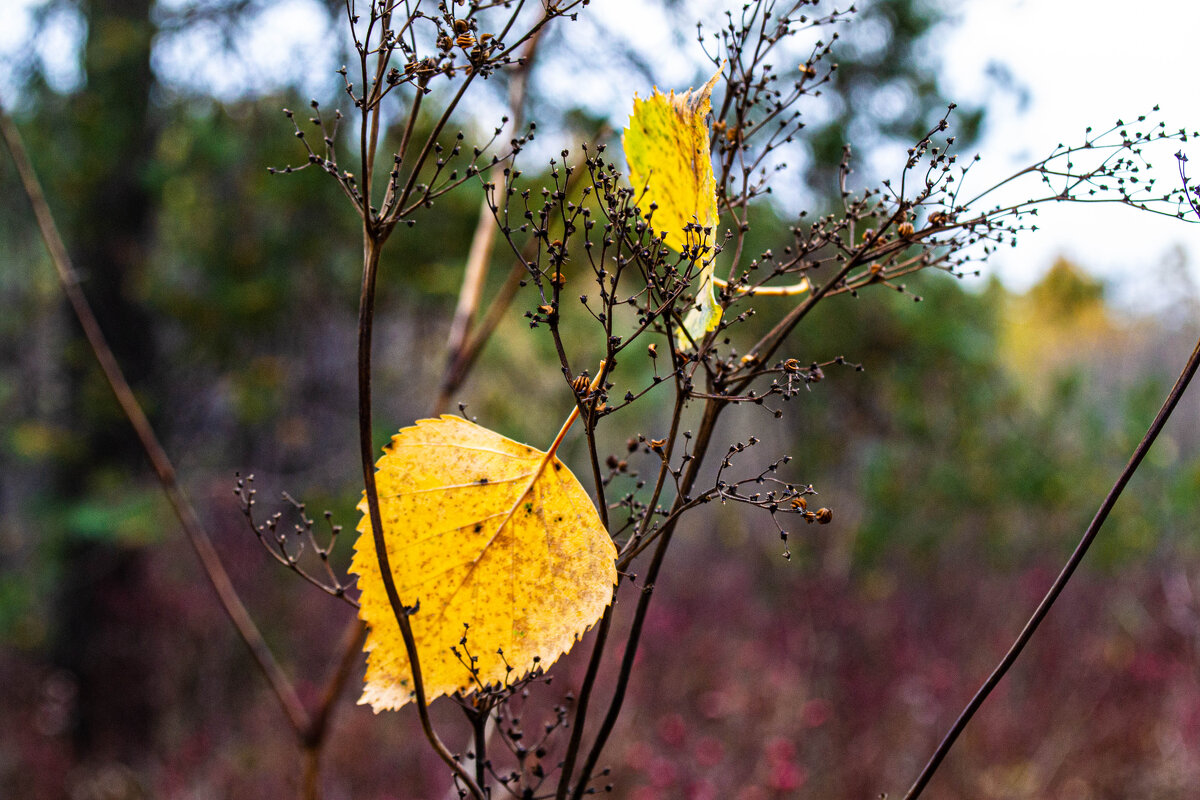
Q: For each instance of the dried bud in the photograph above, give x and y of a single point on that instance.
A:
(824, 516)
(905, 229)
(868, 233)
(580, 384)
(611, 462)
(657, 444)
(461, 26)
(426, 68)
(799, 503)
(792, 365)
(652, 350)
(465, 40)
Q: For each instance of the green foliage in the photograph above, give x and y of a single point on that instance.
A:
(957, 447)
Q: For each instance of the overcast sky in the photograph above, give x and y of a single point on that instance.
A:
(1082, 62)
(1085, 62)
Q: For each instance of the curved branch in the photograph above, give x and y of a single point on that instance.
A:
(201, 542)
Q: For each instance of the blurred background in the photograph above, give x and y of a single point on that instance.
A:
(961, 465)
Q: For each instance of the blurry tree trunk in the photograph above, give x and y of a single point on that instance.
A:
(112, 222)
(110, 212)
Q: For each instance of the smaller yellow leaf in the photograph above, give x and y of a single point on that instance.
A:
(486, 533)
(667, 148)
(704, 316)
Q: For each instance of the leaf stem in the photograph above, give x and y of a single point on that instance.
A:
(566, 426)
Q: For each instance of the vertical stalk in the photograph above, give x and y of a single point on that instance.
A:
(479, 729)
(310, 786)
(708, 422)
(593, 670)
(372, 244)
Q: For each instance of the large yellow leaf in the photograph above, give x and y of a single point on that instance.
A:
(667, 148)
(481, 531)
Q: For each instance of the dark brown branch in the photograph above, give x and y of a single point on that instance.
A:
(1060, 582)
(366, 318)
(712, 411)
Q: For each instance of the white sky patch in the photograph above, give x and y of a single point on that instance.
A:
(1083, 62)
(287, 45)
(57, 48)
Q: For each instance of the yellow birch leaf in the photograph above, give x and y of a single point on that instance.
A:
(485, 532)
(667, 149)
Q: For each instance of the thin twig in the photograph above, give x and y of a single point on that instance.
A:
(1060, 582)
(463, 358)
(201, 542)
